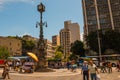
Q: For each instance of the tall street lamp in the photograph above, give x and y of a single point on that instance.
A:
(41, 46)
(98, 27)
(99, 45)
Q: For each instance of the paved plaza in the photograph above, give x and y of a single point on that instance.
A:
(60, 74)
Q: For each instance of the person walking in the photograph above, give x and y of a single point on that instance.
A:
(92, 70)
(6, 70)
(103, 68)
(109, 67)
(118, 66)
(85, 71)
(68, 65)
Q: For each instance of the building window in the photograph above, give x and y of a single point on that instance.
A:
(10, 49)
(10, 43)
(102, 21)
(93, 22)
(18, 44)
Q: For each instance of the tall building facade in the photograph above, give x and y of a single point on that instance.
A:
(13, 45)
(74, 30)
(101, 14)
(69, 34)
(49, 49)
(56, 40)
(65, 41)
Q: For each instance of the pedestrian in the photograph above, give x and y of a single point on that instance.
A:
(68, 65)
(109, 65)
(103, 68)
(93, 70)
(5, 70)
(73, 66)
(85, 71)
(118, 66)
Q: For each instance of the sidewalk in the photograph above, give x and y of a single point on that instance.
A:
(58, 72)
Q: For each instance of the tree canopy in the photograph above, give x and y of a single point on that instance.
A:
(58, 53)
(108, 40)
(112, 40)
(4, 53)
(77, 48)
(27, 46)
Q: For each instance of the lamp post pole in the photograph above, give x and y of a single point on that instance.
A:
(98, 35)
(41, 46)
(99, 45)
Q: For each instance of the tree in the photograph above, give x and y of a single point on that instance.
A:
(108, 40)
(73, 57)
(4, 53)
(27, 46)
(77, 48)
(92, 41)
(58, 53)
(59, 48)
(112, 40)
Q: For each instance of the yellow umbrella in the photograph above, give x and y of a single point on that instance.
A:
(32, 55)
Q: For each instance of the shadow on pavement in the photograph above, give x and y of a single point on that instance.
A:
(1, 78)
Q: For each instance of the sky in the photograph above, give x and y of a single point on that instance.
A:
(19, 17)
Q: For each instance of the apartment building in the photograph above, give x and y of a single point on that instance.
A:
(69, 34)
(101, 14)
(56, 40)
(13, 45)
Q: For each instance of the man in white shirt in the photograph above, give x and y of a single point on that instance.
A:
(92, 69)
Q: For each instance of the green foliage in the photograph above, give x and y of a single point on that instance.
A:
(4, 54)
(73, 57)
(58, 55)
(77, 48)
(59, 49)
(108, 40)
(112, 40)
(27, 45)
(16, 37)
(92, 41)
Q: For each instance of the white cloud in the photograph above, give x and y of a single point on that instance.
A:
(2, 2)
